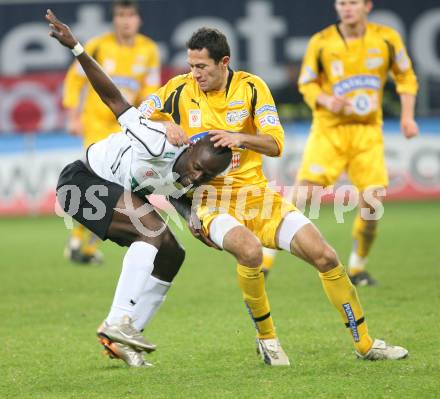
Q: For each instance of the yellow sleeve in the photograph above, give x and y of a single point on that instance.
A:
(76, 80)
(265, 113)
(308, 82)
(401, 68)
(160, 105)
(151, 81)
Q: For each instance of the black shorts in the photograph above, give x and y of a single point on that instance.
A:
(89, 199)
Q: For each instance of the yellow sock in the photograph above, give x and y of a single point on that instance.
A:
(78, 232)
(364, 233)
(251, 282)
(342, 294)
(91, 244)
(268, 258)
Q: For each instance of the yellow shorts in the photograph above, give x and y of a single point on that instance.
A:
(261, 211)
(356, 149)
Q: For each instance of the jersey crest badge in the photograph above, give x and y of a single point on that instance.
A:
(362, 104)
(195, 118)
(337, 68)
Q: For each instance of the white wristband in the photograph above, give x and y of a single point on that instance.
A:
(78, 49)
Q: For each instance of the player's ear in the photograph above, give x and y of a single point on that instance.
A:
(225, 60)
(368, 5)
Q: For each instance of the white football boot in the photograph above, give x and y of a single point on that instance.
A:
(271, 352)
(383, 351)
(126, 334)
(116, 350)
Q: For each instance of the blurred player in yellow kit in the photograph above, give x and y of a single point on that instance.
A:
(132, 61)
(238, 212)
(342, 78)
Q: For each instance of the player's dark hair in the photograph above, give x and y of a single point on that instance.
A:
(126, 3)
(224, 153)
(213, 40)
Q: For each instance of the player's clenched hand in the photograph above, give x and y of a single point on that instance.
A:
(409, 127)
(335, 104)
(223, 138)
(60, 31)
(175, 134)
(197, 231)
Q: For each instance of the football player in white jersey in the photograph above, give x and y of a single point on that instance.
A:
(106, 193)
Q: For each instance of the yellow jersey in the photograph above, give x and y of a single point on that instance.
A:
(356, 69)
(134, 69)
(246, 106)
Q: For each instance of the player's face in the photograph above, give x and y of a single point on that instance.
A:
(208, 74)
(199, 168)
(352, 12)
(126, 21)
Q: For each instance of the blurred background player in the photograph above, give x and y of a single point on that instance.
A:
(343, 75)
(132, 61)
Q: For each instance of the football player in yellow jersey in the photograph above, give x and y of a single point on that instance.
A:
(238, 212)
(343, 74)
(132, 61)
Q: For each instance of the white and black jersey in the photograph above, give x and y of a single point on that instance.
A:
(139, 158)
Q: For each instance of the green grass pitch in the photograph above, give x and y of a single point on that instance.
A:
(50, 310)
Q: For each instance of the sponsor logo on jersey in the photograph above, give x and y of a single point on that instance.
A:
(337, 68)
(195, 118)
(156, 100)
(153, 77)
(373, 51)
(356, 82)
(149, 105)
(169, 154)
(126, 82)
(234, 117)
(351, 321)
(235, 103)
(269, 120)
(307, 75)
(235, 161)
(138, 68)
(402, 60)
(265, 108)
(372, 63)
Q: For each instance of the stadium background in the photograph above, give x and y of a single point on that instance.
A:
(265, 37)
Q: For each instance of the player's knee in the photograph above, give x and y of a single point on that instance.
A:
(153, 232)
(327, 259)
(172, 247)
(251, 254)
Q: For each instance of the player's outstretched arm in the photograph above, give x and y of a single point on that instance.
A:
(101, 82)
